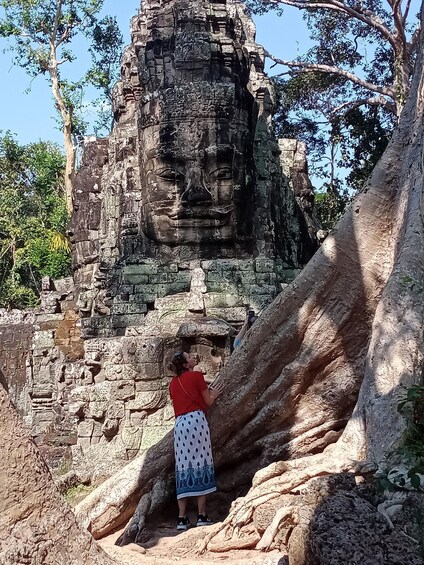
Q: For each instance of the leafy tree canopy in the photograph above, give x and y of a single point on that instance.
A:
(41, 34)
(33, 220)
(344, 95)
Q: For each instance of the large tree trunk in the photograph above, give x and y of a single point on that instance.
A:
(324, 365)
(36, 526)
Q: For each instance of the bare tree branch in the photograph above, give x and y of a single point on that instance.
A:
(365, 16)
(413, 42)
(405, 14)
(312, 67)
(376, 101)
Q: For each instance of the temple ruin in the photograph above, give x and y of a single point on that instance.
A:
(188, 214)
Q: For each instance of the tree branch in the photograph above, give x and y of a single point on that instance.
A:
(376, 101)
(413, 42)
(398, 20)
(56, 21)
(365, 16)
(312, 67)
(405, 15)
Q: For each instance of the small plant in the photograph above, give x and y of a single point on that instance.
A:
(412, 407)
(405, 465)
(74, 494)
(64, 466)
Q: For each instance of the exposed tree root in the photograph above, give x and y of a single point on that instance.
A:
(268, 484)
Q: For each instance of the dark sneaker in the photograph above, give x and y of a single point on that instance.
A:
(203, 520)
(183, 523)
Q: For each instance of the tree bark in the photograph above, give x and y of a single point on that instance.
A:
(318, 380)
(65, 112)
(70, 152)
(36, 526)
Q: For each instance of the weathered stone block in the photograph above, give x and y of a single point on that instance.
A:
(131, 436)
(152, 400)
(228, 314)
(96, 410)
(148, 386)
(110, 427)
(172, 303)
(262, 278)
(149, 372)
(246, 265)
(84, 443)
(221, 265)
(208, 328)
(217, 300)
(76, 408)
(143, 349)
(160, 278)
(97, 430)
(262, 289)
(43, 340)
(263, 265)
(140, 269)
(42, 390)
(85, 428)
(123, 390)
(248, 277)
(116, 410)
(96, 393)
(125, 320)
(129, 308)
(182, 277)
(120, 372)
(138, 418)
(138, 298)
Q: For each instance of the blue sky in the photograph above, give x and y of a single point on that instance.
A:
(31, 115)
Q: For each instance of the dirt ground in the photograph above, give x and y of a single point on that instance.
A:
(168, 546)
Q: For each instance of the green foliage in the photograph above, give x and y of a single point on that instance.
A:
(342, 149)
(345, 123)
(107, 41)
(412, 407)
(406, 463)
(330, 205)
(33, 220)
(75, 494)
(41, 35)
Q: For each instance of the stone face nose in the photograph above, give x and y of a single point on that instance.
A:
(196, 195)
(196, 191)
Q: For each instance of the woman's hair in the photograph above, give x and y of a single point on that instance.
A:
(179, 362)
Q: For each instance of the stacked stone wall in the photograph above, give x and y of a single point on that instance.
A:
(231, 286)
(16, 333)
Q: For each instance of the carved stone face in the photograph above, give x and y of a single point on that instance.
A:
(195, 184)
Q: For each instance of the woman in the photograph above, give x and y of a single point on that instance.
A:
(194, 469)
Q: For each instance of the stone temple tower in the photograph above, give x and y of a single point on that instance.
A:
(191, 176)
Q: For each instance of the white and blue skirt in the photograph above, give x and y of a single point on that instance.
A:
(194, 470)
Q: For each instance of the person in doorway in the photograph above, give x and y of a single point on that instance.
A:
(250, 319)
(194, 468)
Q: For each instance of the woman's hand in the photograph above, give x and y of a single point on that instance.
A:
(216, 389)
(211, 393)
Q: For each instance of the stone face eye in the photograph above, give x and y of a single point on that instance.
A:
(223, 173)
(170, 175)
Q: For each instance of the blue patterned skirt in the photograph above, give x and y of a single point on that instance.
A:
(194, 470)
